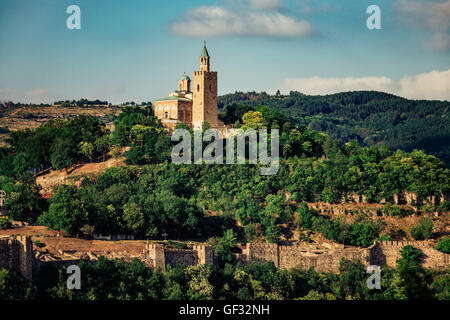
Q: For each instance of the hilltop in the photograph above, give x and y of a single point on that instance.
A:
(367, 116)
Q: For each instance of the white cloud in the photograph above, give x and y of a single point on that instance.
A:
(323, 8)
(207, 21)
(431, 85)
(267, 4)
(434, 85)
(430, 15)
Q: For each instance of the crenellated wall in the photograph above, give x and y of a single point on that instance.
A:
(327, 258)
(323, 258)
(17, 253)
(157, 256)
(388, 252)
(306, 255)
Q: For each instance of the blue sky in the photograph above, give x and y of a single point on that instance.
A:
(136, 50)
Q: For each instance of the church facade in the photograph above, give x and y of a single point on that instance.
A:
(192, 106)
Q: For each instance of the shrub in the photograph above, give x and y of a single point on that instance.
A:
(305, 216)
(116, 151)
(444, 207)
(409, 255)
(444, 245)
(393, 210)
(135, 155)
(423, 230)
(5, 223)
(364, 233)
(39, 244)
(384, 237)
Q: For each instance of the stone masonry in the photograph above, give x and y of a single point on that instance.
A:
(17, 253)
(157, 256)
(323, 258)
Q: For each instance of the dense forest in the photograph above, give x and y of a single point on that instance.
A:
(368, 116)
(153, 196)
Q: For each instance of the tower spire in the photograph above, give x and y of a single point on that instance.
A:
(204, 51)
(204, 58)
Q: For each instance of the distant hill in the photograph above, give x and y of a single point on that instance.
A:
(21, 116)
(370, 117)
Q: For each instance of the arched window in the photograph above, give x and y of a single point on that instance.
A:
(210, 87)
(166, 114)
(198, 87)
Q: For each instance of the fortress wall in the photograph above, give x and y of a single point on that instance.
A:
(321, 260)
(205, 254)
(4, 253)
(388, 252)
(262, 252)
(17, 254)
(240, 258)
(175, 256)
(157, 256)
(308, 256)
(328, 259)
(25, 256)
(401, 198)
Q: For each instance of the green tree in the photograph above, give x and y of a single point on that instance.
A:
(61, 157)
(224, 246)
(134, 218)
(66, 211)
(412, 274)
(15, 287)
(253, 120)
(87, 150)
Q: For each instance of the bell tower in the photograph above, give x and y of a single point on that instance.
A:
(204, 100)
(204, 59)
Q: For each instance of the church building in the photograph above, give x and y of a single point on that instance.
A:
(192, 106)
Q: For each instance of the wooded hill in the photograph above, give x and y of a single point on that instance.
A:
(370, 117)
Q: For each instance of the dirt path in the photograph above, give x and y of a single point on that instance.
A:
(55, 177)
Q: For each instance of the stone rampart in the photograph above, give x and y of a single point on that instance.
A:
(17, 253)
(388, 252)
(157, 256)
(306, 255)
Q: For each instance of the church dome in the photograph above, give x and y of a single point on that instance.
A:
(184, 77)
